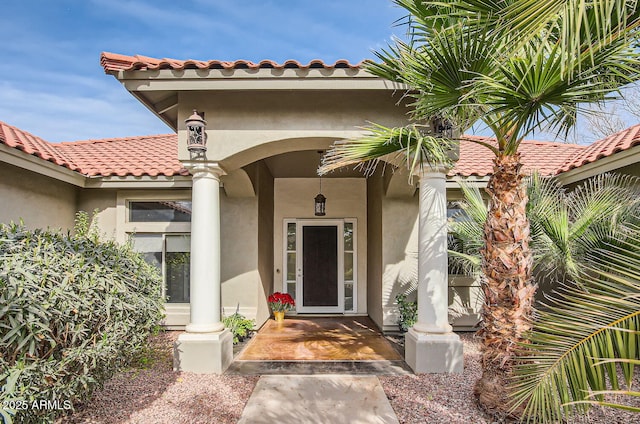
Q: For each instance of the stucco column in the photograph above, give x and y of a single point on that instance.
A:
(430, 345)
(432, 253)
(206, 346)
(205, 250)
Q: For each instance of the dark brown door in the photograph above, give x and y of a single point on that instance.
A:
(320, 266)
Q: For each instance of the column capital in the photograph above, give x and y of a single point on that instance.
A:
(426, 170)
(203, 168)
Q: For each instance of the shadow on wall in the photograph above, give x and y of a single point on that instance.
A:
(464, 294)
(401, 278)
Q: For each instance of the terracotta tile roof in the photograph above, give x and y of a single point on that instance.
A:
(118, 62)
(158, 154)
(148, 155)
(608, 146)
(32, 145)
(545, 157)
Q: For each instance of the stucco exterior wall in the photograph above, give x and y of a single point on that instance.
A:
(246, 275)
(400, 266)
(101, 205)
(346, 198)
(39, 201)
(239, 274)
(265, 188)
(399, 254)
(374, 248)
(241, 124)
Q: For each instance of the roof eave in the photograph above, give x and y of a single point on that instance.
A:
(40, 166)
(171, 82)
(599, 166)
(143, 181)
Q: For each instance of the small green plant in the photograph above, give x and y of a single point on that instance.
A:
(408, 312)
(239, 325)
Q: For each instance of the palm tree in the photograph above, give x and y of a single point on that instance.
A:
(587, 243)
(585, 341)
(566, 226)
(518, 66)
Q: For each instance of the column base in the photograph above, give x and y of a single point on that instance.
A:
(433, 353)
(203, 353)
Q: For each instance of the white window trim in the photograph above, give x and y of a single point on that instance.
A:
(353, 221)
(285, 242)
(124, 227)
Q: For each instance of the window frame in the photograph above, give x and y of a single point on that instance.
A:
(126, 228)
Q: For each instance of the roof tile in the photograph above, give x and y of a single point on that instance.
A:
(608, 146)
(543, 156)
(157, 155)
(118, 62)
(32, 145)
(146, 155)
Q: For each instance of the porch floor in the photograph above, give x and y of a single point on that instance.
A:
(324, 345)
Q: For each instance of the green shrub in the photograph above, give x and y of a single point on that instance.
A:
(239, 325)
(73, 311)
(408, 312)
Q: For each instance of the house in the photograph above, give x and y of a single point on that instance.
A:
(232, 225)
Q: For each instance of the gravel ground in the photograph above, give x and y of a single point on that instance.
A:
(448, 398)
(154, 393)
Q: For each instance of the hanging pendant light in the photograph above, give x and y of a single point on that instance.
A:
(320, 202)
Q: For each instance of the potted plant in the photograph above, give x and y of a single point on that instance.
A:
(280, 303)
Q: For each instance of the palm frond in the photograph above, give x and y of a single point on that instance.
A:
(580, 324)
(410, 146)
(465, 231)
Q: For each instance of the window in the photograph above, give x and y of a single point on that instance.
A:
(349, 264)
(456, 214)
(170, 254)
(291, 259)
(160, 211)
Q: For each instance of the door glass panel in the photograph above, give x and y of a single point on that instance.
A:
(348, 296)
(348, 266)
(348, 236)
(320, 265)
(291, 289)
(349, 271)
(291, 266)
(291, 236)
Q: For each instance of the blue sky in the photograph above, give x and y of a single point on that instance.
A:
(52, 85)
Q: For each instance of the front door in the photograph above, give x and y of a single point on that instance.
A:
(320, 278)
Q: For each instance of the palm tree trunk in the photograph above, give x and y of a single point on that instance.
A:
(508, 289)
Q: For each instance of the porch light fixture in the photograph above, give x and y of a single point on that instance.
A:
(442, 128)
(320, 202)
(196, 135)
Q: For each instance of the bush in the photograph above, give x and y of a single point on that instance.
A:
(408, 312)
(73, 311)
(239, 325)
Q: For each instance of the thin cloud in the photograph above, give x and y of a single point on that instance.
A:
(76, 117)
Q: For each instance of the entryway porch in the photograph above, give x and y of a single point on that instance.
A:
(320, 345)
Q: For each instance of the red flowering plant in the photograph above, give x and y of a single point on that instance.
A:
(281, 302)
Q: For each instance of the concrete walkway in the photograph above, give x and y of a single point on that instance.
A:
(330, 399)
